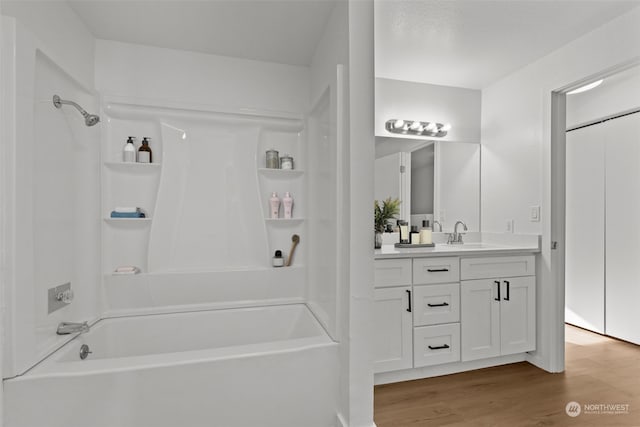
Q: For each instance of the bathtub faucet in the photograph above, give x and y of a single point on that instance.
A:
(66, 328)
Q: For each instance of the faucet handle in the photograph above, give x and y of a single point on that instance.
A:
(65, 296)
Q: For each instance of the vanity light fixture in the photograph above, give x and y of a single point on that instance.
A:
(586, 87)
(417, 128)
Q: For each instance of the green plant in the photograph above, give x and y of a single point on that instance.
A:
(389, 209)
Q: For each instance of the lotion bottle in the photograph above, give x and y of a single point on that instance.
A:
(425, 233)
(404, 232)
(287, 202)
(129, 151)
(415, 235)
(274, 203)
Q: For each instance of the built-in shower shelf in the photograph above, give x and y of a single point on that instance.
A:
(284, 220)
(126, 220)
(281, 173)
(130, 166)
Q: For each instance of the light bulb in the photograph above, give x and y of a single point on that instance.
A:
(446, 127)
(398, 124)
(415, 126)
(431, 127)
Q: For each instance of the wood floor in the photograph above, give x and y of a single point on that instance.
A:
(599, 370)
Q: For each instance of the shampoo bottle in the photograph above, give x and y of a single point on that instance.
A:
(144, 152)
(287, 202)
(274, 203)
(129, 151)
(425, 233)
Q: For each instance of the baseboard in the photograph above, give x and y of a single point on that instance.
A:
(342, 423)
(446, 369)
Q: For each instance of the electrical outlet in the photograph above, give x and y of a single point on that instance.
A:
(534, 213)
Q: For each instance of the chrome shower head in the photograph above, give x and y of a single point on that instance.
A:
(89, 119)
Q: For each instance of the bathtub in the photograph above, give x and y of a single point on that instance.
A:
(249, 367)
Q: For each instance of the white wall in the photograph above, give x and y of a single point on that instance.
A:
(617, 94)
(68, 40)
(396, 99)
(516, 147)
(226, 83)
(54, 176)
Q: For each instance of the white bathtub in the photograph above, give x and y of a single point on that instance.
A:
(250, 367)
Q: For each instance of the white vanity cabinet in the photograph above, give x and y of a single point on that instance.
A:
(393, 342)
(497, 306)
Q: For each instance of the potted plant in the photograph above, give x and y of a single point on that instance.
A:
(389, 209)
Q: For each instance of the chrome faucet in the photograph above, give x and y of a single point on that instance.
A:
(455, 238)
(439, 225)
(66, 328)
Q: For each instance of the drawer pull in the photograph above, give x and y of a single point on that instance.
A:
(497, 282)
(444, 304)
(409, 295)
(508, 286)
(437, 270)
(439, 347)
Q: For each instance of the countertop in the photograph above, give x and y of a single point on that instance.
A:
(475, 244)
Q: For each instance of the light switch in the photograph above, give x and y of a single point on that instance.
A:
(534, 213)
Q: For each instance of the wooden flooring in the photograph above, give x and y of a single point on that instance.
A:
(599, 370)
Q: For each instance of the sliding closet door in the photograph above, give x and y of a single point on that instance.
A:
(623, 227)
(584, 262)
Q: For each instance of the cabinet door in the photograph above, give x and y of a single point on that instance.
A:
(480, 319)
(393, 347)
(517, 315)
(623, 228)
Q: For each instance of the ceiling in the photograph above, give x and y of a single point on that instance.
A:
(473, 43)
(279, 31)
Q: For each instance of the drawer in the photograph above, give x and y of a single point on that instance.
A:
(434, 304)
(489, 267)
(392, 272)
(434, 345)
(435, 270)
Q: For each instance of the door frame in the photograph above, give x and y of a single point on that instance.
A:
(557, 200)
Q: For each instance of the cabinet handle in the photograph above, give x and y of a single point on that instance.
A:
(437, 270)
(439, 347)
(444, 304)
(497, 282)
(508, 285)
(409, 296)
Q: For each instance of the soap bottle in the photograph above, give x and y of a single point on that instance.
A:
(415, 235)
(129, 151)
(404, 232)
(144, 152)
(274, 203)
(426, 237)
(278, 261)
(287, 202)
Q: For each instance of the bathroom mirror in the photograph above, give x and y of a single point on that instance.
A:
(434, 180)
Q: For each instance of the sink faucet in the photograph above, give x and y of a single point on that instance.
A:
(455, 238)
(66, 328)
(439, 226)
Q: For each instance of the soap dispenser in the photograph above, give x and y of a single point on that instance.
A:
(144, 152)
(426, 237)
(129, 151)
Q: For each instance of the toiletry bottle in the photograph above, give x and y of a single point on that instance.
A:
(274, 203)
(404, 232)
(144, 152)
(287, 202)
(286, 162)
(278, 261)
(129, 151)
(425, 233)
(415, 235)
(272, 161)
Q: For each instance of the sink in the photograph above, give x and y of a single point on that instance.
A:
(474, 245)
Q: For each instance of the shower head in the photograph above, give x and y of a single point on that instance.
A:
(89, 119)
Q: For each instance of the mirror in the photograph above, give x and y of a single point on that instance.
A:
(434, 180)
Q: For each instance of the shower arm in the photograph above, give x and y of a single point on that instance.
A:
(58, 103)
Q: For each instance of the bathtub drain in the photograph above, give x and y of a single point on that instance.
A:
(84, 351)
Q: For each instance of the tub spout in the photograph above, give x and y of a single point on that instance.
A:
(66, 328)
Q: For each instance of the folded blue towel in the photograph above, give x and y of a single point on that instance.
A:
(115, 214)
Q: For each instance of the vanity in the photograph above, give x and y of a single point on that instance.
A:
(453, 308)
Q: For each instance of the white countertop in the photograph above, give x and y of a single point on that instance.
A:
(475, 244)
